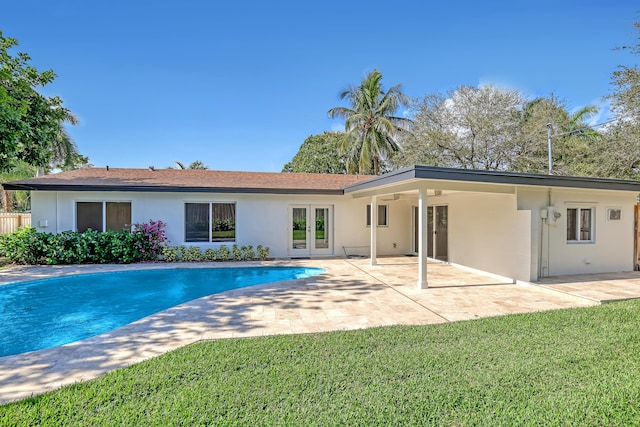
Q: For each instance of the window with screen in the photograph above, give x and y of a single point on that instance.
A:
(103, 215)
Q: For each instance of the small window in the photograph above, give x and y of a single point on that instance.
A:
(210, 222)
(580, 224)
(382, 216)
(102, 216)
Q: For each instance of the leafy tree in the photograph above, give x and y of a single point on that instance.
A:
(319, 154)
(29, 121)
(494, 128)
(470, 128)
(619, 152)
(18, 200)
(195, 165)
(573, 139)
(371, 128)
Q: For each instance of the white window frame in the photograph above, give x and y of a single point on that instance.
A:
(104, 211)
(579, 226)
(379, 217)
(210, 204)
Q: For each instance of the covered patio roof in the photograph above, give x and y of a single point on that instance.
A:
(426, 181)
(477, 180)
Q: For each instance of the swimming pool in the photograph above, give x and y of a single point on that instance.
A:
(51, 312)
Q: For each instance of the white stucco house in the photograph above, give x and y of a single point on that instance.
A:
(519, 226)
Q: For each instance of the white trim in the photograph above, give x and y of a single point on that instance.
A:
(104, 202)
(386, 215)
(592, 225)
(590, 204)
(210, 241)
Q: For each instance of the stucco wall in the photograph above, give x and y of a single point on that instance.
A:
(487, 233)
(498, 233)
(612, 246)
(260, 219)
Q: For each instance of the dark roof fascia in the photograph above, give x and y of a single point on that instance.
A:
(168, 189)
(494, 177)
(393, 177)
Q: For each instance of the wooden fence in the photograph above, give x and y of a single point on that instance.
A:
(10, 221)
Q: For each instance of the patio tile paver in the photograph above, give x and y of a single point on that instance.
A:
(350, 295)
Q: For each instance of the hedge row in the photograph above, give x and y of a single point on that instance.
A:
(195, 254)
(143, 242)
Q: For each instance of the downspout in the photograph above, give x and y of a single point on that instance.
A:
(57, 212)
(541, 266)
(540, 252)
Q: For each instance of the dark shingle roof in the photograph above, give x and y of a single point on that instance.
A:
(187, 180)
(491, 177)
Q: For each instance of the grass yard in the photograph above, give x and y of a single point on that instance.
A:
(569, 367)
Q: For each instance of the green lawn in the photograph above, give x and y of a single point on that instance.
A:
(569, 367)
(302, 234)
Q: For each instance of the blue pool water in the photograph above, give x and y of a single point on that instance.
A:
(51, 312)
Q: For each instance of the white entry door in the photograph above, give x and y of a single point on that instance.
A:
(310, 230)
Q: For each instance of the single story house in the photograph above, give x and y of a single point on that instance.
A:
(519, 226)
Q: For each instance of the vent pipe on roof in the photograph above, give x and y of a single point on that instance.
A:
(152, 168)
(107, 168)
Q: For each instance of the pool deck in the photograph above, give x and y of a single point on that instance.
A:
(350, 295)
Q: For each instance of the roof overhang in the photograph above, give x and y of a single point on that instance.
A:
(167, 189)
(411, 178)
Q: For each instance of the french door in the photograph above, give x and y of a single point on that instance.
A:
(310, 230)
(437, 230)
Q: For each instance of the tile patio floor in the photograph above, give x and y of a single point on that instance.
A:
(350, 295)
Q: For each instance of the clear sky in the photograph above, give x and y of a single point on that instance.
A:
(239, 84)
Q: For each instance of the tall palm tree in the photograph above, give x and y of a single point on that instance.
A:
(64, 151)
(371, 128)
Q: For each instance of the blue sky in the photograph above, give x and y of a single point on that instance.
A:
(240, 85)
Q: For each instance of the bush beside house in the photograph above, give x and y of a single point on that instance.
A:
(138, 243)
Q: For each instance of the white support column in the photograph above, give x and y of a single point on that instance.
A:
(423, 237)
(374, 223)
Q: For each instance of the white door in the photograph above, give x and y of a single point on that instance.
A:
(310, 230)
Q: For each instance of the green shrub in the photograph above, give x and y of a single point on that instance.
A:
(263, 252)
(26, 246)
(170, 254)
(191, 254)
(23, 246)
(223, 253)
(247, 252)
(236, 253)
(210, 254)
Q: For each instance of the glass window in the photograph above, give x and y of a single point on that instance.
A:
(223, 222)
(382, 216)
(88, 216)
(210, 222)
(118, 215)
(102, 216)
(196, 222)
(580, 224)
